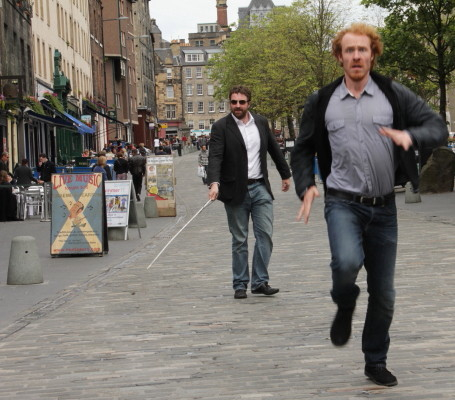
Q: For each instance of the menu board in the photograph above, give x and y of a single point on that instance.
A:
(117, 202)
(77, 214)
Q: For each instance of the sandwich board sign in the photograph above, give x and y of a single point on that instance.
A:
(78, 212)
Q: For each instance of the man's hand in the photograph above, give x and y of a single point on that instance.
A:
(307, 202)
(213, 191)
(400, 138)
(285, 184)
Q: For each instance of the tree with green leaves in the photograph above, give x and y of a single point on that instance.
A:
(419, 44)
(283, 59)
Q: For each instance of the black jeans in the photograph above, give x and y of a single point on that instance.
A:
(137, 183)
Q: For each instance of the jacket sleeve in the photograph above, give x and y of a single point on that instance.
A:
(303, 153)
(427, 128)
(276, 154)
(217, 143)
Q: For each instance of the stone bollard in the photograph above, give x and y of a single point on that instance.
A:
(136, 219)
(24, 265)
(150, 207)
(410, 196)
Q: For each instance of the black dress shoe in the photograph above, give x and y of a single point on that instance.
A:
(265, 289)
(240, 294)
(380, 375)
(341, 326)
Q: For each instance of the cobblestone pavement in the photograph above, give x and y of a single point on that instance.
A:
(175, 331)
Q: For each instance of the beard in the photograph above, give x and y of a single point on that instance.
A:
(240, 113)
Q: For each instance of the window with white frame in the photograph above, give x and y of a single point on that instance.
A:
(188, 73)
(194, 57)
(117, 100)
(190, 124)
(211, 122)
(170, 92)
(200, 107)
(222, 107)
(170, 111)
(210, 90)
(199, 43)
(189, 107)
(212, 42)
(169, 73)
(211, 106)
(202, 124)
(122, 39)
(189, 90)
(198, 72)
(200, 89)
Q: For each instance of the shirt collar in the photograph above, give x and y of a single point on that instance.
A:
(368, 89)
(240, 122)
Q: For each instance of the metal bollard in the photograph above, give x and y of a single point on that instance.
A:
(46, 215)
(150, 207)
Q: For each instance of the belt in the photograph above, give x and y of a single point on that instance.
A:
(251, 181)
(379, 201)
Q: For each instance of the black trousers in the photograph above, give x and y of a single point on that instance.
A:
(137, 183)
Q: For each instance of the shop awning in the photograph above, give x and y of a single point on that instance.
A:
(49, 120)
(81, 127)
(87, 107)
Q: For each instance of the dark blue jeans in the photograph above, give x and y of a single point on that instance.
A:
(361, 235)
(258, 204)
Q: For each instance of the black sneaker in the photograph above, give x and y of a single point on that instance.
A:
(240, 294)
(265, 289)
(380, 375)
(340, 331)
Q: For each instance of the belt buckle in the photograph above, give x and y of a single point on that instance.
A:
(369, 201)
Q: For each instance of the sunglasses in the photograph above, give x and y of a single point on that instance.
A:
(241, 102)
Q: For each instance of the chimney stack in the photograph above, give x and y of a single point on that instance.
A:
(221, 8)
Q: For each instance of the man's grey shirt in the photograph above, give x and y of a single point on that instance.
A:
(362, 158)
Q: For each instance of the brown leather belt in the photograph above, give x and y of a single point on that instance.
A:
(251, 181)
(379, 201)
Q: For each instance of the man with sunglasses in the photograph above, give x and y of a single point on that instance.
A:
(238, 176)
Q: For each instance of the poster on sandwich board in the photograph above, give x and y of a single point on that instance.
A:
(77, 224)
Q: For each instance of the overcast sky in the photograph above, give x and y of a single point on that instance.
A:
(177, 18)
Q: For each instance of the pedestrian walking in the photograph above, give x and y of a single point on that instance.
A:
(136, 165)
(238, 176)
(363, 127)
(121, 167)
(203, 161)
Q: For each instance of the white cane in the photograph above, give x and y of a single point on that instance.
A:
(170, 241)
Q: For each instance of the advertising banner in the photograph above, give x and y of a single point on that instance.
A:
(77, 214)
(117, 202)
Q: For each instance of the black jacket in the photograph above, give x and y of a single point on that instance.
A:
(24, 175)
(136, 165)
(228, 159)
(410, 113)
(46, 170)
(121, 166)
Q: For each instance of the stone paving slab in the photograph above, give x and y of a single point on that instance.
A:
(175, 331)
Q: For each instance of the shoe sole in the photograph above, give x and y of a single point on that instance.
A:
(390, 384)
(266, 294)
